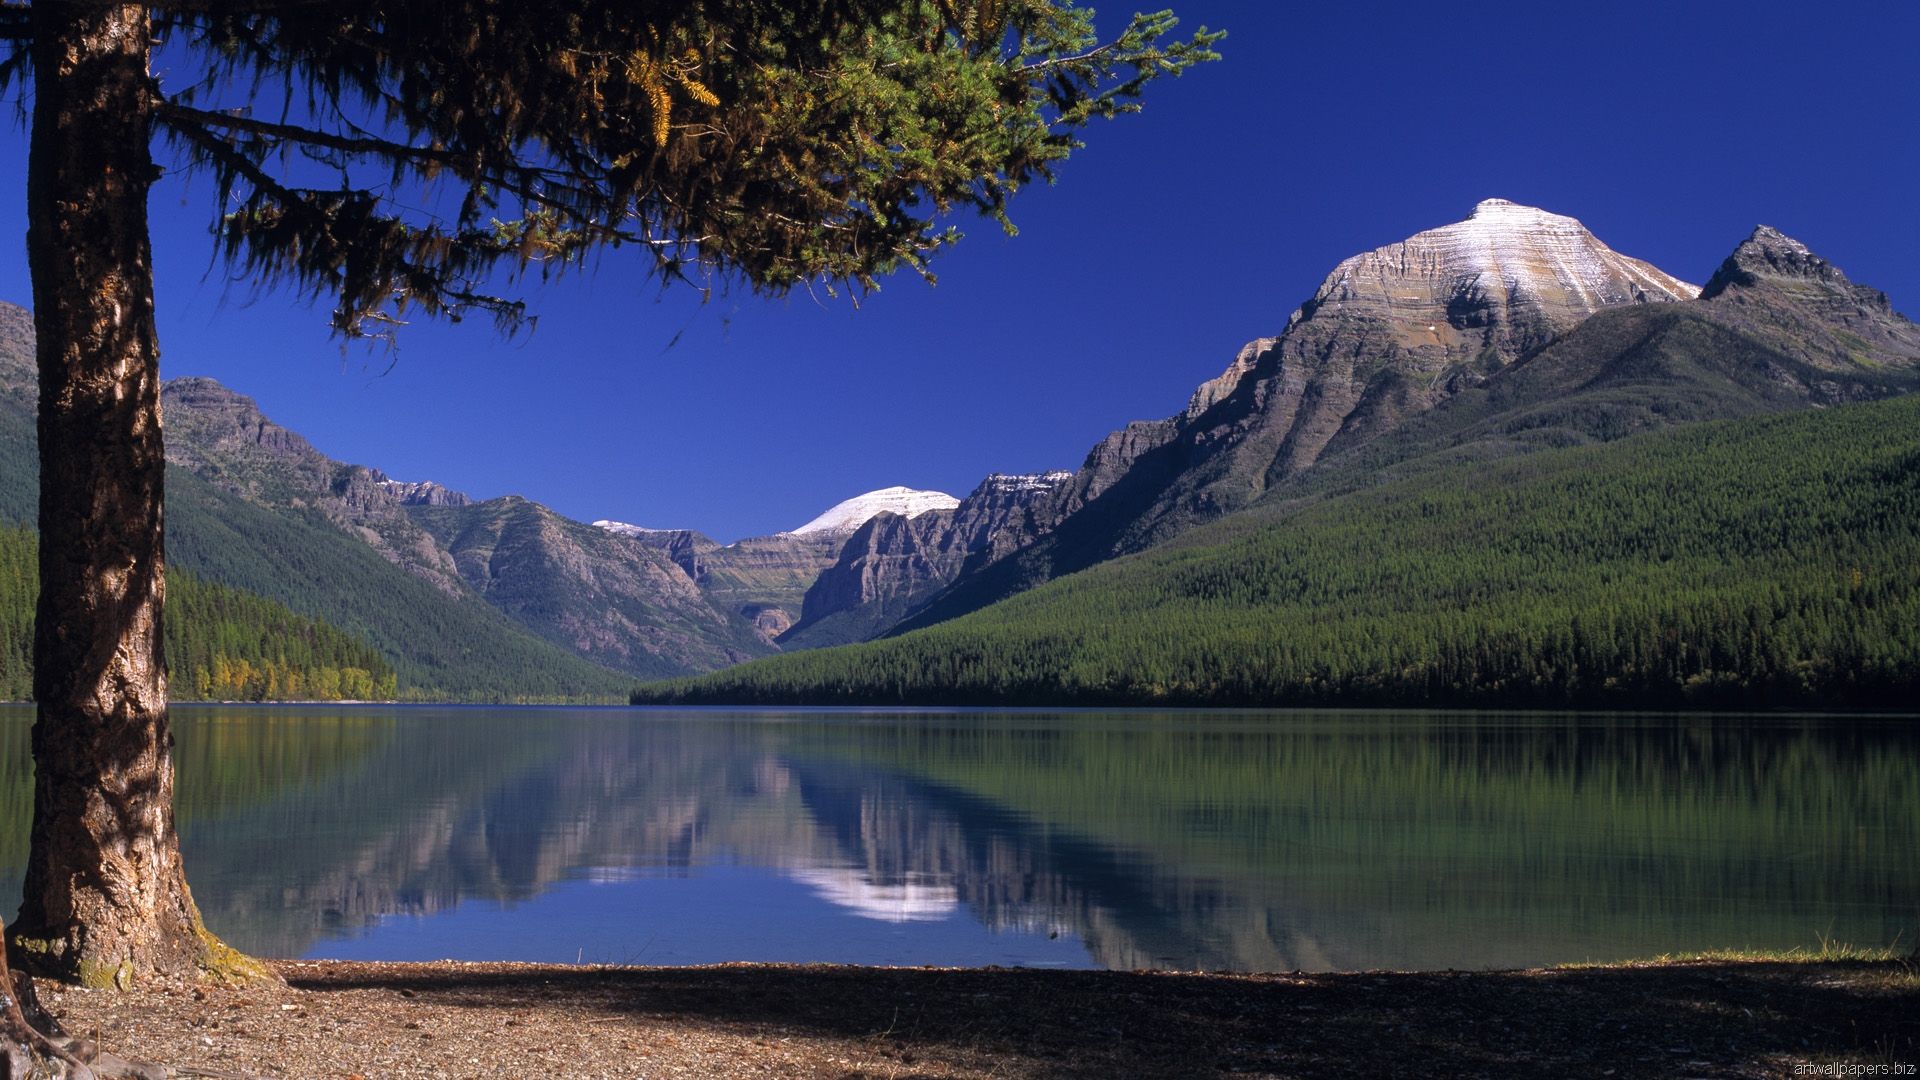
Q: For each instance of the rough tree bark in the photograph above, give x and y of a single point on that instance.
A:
(106, 901)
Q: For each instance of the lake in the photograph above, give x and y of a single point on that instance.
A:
(1193, 840)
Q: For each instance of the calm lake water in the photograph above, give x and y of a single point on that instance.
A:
(1243, 841)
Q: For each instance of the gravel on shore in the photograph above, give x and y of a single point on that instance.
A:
(448, 1019)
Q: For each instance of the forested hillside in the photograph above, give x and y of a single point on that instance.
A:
(222, 644)
(1361, 382)
(1767, 561)
(442, 647)
(438, 646)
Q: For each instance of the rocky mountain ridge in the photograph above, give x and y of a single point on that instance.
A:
(606, 598)
(609, 598)
(222, 436)
(650, 602)
(1389, 332)
(1515, 328)
(894, 562)
(827, 583)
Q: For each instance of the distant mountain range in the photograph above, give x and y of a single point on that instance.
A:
(490, 600)
(1441, 364)
(275, 519)
(1512, 332)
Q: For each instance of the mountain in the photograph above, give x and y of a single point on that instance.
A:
(763, 579)
(222, 437)
(602, 597)
(1569, 529)
(1770, 561)
(610, 598)
(1388, 334)
(439, 646)
(1511, 331)
(254, 506)
(893, 562)
(861, 566)
(767, 580)
(442, 646)
(1776, 290)
(844, 517)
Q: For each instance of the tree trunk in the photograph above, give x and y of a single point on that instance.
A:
(106, 901)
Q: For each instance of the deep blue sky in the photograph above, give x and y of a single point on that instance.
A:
(1670, 129)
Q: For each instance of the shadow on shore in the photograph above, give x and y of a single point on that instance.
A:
(1680, 1019)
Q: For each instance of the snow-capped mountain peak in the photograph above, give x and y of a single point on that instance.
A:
(1504, 257)
(846, 517)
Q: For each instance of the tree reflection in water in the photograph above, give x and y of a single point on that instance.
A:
(1222, 841)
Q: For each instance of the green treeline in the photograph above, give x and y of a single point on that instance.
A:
(1771, 561)
(222, 644)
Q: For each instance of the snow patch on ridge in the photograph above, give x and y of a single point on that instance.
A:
(1022, 483)
(846, 517)
(623, 529)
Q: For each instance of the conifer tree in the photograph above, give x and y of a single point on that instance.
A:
(403, 157)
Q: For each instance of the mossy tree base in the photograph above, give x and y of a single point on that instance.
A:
(212, 960)
(32, 1046)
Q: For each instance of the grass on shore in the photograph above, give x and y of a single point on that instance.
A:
(1825, 951)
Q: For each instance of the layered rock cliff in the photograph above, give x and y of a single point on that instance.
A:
(763, 579)
(224, 438)
(766, 578)
(894, 562)
(426, 493)
(610, 598)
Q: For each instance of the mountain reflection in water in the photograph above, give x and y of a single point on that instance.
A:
(1241, 841)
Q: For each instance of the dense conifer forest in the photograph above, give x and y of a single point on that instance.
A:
(222, 644)
(1772, 561)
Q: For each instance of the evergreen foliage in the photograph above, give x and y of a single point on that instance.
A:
(396, 156)
(1769, 561)
(223, 644)
(780, 144)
